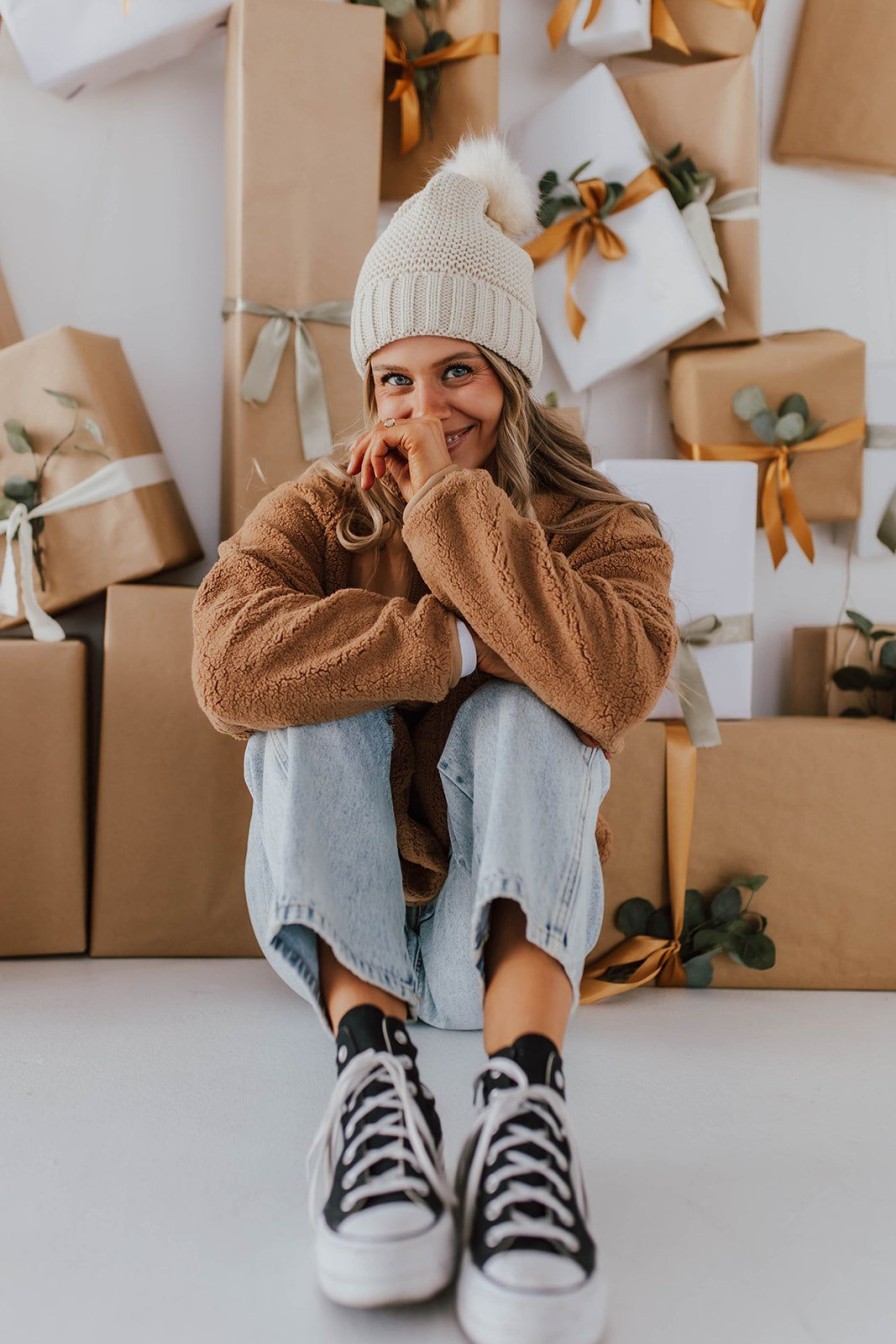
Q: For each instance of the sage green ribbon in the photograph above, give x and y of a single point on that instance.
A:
(884, 436)
(696, 706)
(264, 364)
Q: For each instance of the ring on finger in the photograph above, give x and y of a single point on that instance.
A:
(388, 423)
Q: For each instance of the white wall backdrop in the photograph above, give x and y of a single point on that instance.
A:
(111, 219)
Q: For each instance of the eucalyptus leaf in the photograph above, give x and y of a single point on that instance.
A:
(814, 428)
(694, 909)
(17, 437)
(632, 916)
(396, 9)
(93, 428)
(63, 398)
(726, 904)
(581, 168)
(674, 152)
(6, 507)
(796, 403)
(547, 182)
(881, 634)
(705, 940)
(888, 653)
(659, 925)
(860, 622)
(749, 402)
(766, 426)
(851, 678)
(752, 882)
(551, 399)
(790, 427)
(548, 211)
(758, 952)
(21, 490)
(423, 78)
(698, 972)
(438, 40)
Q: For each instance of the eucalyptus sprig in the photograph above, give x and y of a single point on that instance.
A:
(710, 926)
(29, 490)
(880, 646)
(554, 198)
(791, 423)
(681, 175)
(427, 80)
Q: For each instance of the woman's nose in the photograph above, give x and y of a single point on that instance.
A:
(431, 399)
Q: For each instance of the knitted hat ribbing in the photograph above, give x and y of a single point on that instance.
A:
(445, 264)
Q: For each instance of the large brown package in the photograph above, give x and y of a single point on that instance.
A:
(828, 369)
(817, 652)
(467, 98)
(43, 819)
(807, 801)
(141, 531)
(173, 809)
(711, 110)
(303, 133)
(10, 331)
(713, 28)
(840, 105)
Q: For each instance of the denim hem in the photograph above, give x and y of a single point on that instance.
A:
(549, 939)
(374, 975)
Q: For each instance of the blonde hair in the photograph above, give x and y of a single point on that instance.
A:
(535, 451)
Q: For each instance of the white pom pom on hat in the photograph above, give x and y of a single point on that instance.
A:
(447, 263)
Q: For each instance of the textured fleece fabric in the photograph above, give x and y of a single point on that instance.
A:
(282, 636)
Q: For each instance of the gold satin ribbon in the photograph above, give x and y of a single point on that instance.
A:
(583, 227)
(662, 26)
(660, 958)
(778, 501)
(405, 91)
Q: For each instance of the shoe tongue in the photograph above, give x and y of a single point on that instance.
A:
(537, 1056)
(368, 1028)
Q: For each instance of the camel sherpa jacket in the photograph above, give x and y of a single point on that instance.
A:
(289, 628)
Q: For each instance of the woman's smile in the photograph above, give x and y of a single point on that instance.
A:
(457, 436)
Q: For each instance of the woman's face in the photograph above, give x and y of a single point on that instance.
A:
(437, 375)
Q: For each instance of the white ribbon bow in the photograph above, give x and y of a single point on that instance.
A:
(129, 473)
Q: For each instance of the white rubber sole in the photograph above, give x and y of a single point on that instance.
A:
(492, 1314)
(357, 1273)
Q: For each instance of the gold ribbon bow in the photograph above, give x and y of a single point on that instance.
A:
(778, 501)
(660, 958)
(583, 227)
(405, 92)
(662, 26)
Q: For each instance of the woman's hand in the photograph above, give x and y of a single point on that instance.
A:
(411, 450)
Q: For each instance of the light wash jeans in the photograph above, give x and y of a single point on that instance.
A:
(523, 794)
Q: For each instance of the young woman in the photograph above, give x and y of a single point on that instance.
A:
(433, 640)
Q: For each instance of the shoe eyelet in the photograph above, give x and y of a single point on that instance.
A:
(558, 1078)
(491, 1240)
(401, 1038)
(490, 1185)
(341, 1054)
(489, 1211)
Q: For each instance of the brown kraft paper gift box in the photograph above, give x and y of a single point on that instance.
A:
(303, 132)
(840, 105)
(711, 110)
(10, 331)
(467, 99)
(43, 820)
(140, 532)
(826, 367)
(817, 652)
(711, 28)
(173, 809)
(807, 801)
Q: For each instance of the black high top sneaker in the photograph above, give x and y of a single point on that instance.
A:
(379, 1195)
(529, 1269)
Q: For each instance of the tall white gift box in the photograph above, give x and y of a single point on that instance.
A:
(66, 45)
(654, 293)
(710, 523)
(619, 26)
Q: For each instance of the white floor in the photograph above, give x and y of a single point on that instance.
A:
(155, 1117)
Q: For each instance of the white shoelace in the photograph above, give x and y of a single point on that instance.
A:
(412, 1149)
(503, 1108)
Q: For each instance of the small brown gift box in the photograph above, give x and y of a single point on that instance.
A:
(711, 28)
(43, 820)
(303, 131)
(807, 802)
(139, 532)
(711, 110)
(467, 98)
(10, 331)
(840, 106)
(817, 652)
(826, 367)
(173, 810)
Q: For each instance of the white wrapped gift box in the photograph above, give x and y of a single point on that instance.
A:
(619, 26)
(660, 289)
(67, 44)
(710, 522)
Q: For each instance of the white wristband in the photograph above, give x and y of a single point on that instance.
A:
(468, 648)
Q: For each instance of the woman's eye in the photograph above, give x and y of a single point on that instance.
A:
(386, 376)
(464, 368)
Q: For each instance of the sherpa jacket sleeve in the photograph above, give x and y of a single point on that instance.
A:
(272, 649)
(592, 633)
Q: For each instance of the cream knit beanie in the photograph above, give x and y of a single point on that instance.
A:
(447, 265)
